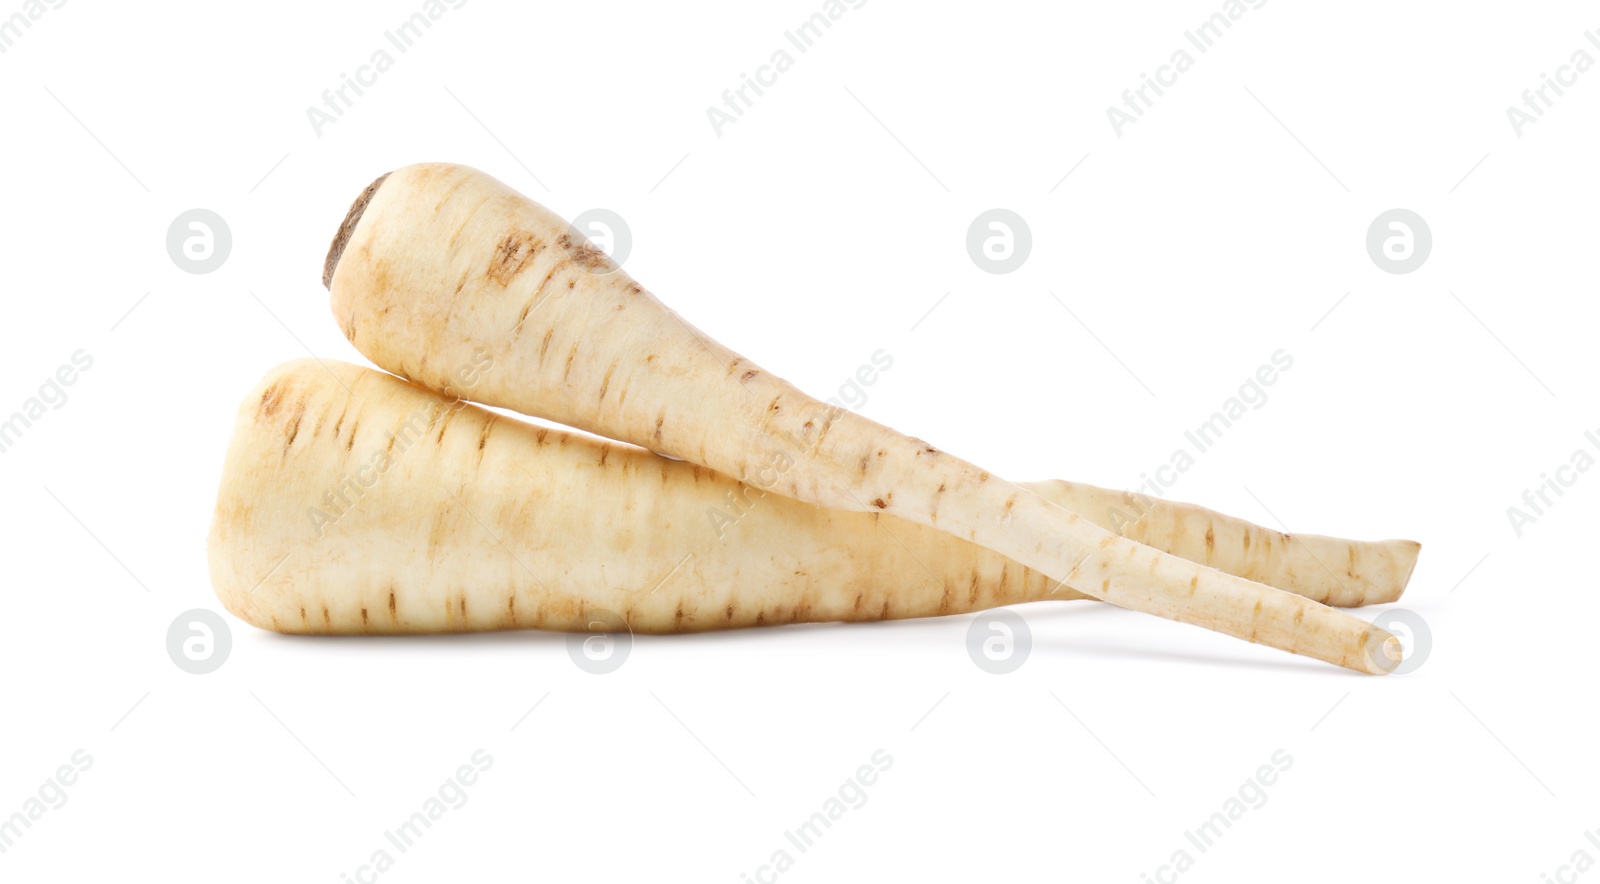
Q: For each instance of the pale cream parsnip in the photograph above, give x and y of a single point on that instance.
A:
(353, 502)
(435, 262)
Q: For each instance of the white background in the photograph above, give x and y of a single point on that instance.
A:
(1226, 224)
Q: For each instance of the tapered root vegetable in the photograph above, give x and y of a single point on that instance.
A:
(354, 502)
(1331, 570)
(438, 265)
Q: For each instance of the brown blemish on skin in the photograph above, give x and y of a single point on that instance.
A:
(340, 422)
(512, 255)
(327, 619)
(605, 382)
(363, 618)
(1299, 615)
(972, 588)
(729, 613)
(865, 459)
(857, 605)
(269, 406)
(572, 283)
(511, 607)
(294, 430)
(584, 254)
(748, 375)
(635, 289)
(350, 444)
(761, 617)
(826, 425)
(1211, 543)
(483, 437)
(346, 228)
(1193, 583)
(539, 434)
(884, 614)
(394, 613)
(303, 615)
(879, 503)
(605, 452)
(571, 355)
(442, 424)
(661, 418)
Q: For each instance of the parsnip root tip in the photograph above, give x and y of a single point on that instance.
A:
(1384, 652)
(342, 238)
(1415, 549)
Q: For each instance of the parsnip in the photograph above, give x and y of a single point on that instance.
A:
(354, 502)
(436, 262)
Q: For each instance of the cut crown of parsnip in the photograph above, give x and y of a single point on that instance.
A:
(436, 263)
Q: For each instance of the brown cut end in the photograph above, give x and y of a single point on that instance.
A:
(342, 238)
